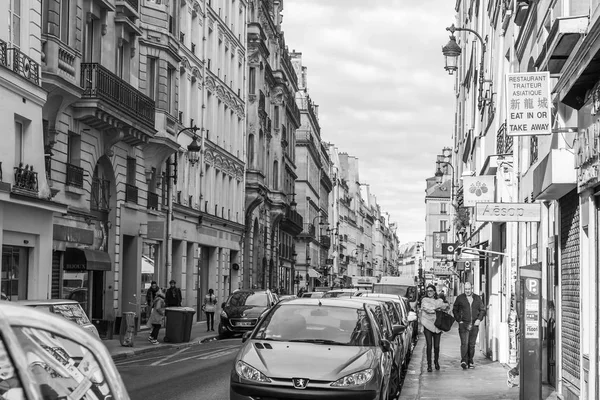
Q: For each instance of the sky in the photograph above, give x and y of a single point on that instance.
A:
(376, 70)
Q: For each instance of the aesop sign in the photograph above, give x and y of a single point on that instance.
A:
(508, 212)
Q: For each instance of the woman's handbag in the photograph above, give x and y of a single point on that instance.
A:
(443, 321)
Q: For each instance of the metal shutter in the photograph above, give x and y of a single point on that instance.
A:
(56, 274)
(570, 283)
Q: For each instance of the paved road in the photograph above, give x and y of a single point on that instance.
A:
(197, 372)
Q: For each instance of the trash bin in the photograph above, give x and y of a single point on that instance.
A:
(127, 329)
(179, 324)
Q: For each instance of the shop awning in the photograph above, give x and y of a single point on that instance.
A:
(313, 273)
(86, 259)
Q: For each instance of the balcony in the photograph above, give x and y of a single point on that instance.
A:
(308, 230)
(504, 142)
(128, 7)
(522, 11)
(100, 195)
(25, 180)
(292, 222)
(74, 176)
(562, 39)
(152, 201)
(131, 193)
(110, 102)
(19, 63)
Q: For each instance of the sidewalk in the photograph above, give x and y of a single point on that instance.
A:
(486, 381)
(141, 344)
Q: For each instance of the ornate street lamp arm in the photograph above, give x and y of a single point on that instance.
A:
(194, 129)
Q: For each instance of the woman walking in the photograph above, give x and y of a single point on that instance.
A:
(210, 305)
(157, 315)
(429, 305)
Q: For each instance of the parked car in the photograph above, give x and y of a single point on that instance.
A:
(314, 295)
(314, 349)
(287, 297)
(411, 316)
(242, 310)
(342, 293)
(387, 319)
(68, 309)
(43, 356)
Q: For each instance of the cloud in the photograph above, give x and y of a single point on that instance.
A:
(375, 69)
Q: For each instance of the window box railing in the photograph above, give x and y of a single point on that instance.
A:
(99, 82)
(19, 63)
(152, 201)
(100, 194)
(3, 55)
(131, 193)
(74, 175)
(26, 178)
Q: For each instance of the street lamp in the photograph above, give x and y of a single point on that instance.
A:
(452, 50)
(193, 152)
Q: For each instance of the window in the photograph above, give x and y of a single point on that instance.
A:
(131, 166)
(250, 151)
(276, 117)
(15, 268)
(443, 226)
(120, 59)
(173, 17)
(275, 175)
(88, 53)
(19, 142)
(14, 23)
(64, 20)
(151, 77)
(443, 208)
(252, 80)
(74, 149)
(171, 90)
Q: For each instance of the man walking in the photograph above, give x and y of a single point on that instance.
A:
(173, 296)
(469, 311)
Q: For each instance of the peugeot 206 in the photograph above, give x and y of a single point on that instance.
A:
(313, 349)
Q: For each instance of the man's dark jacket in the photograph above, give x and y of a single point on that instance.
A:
(463, 313)
(173, 297)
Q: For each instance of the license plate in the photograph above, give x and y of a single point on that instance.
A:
(244, 323)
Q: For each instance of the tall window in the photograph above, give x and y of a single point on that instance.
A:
(250, 151)
(64, 20)
(19, 142)
(276, 117)
(443, 225)
(252, 80)
(88, 54)
(152, 78)
(120, 59)
(131, 166)
(171, 90)
(275, 175)
(14, 23)
(74, 149)
(443, 208)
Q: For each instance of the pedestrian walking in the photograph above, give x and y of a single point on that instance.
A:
(429, 305)
(157, 315)
(173, 295)
(469, 311)
(150, 295)
(209, 308)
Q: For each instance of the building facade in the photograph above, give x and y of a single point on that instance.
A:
(271, 221)
(27, 205)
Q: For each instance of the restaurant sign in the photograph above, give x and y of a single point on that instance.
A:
(508, 212)
(528, 103)
(586, 156)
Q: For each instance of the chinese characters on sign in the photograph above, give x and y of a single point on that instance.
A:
(438, 239)
(528, 104)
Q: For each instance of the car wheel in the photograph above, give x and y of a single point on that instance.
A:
(223, 334)
(394, 383)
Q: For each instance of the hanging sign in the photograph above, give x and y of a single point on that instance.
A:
(508, 212)
(528, 104)
(478, 189)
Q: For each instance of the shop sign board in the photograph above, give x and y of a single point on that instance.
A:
(586, 156)
(439, 238)
(508, 212)
(528, 104)
(479, 189)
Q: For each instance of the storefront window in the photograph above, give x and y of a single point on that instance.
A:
(75, 286)
(149, 255)
(15, 266)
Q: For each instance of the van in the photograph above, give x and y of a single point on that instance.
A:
(399, 285)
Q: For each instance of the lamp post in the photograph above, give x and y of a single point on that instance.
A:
(452, 51)
(194, 150)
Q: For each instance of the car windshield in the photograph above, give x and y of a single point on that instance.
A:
(337, 294)
(317, 324)
(248, 299)
(314, 294)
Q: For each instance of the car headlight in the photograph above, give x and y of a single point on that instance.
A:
(223, 314)
(247, 372)
(355, 379)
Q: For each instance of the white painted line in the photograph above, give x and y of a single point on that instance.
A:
(169, 356)
(205, 356)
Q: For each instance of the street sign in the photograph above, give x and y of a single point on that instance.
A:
(508, 212)
(528, 103)
(438, 239)
(448, 248)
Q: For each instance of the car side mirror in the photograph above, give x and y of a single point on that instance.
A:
(398, 329)
(246, 336)
(385, 344)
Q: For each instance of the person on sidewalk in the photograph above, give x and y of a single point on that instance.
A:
(157, 315)
(469, 311)
(150, 295)
(173, 296)
(429, 305)
(209, 308)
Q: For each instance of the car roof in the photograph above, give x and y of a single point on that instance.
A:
(250, 291)
(335, 302)
(382, 295)
(44, 302)
(367, 300)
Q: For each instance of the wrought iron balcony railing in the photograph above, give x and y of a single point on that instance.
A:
(131, 193)
(100, 194)
(99, 82)
(309, 229)
(74, 175)
(19, 63)
(152, 201)
(504, 142)
(26, 178)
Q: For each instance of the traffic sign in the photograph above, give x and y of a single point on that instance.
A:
(448, 248)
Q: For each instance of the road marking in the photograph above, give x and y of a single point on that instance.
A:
(169, 356)
(206, 356)
(145, 361)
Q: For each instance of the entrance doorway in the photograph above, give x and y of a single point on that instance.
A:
(15, 268)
